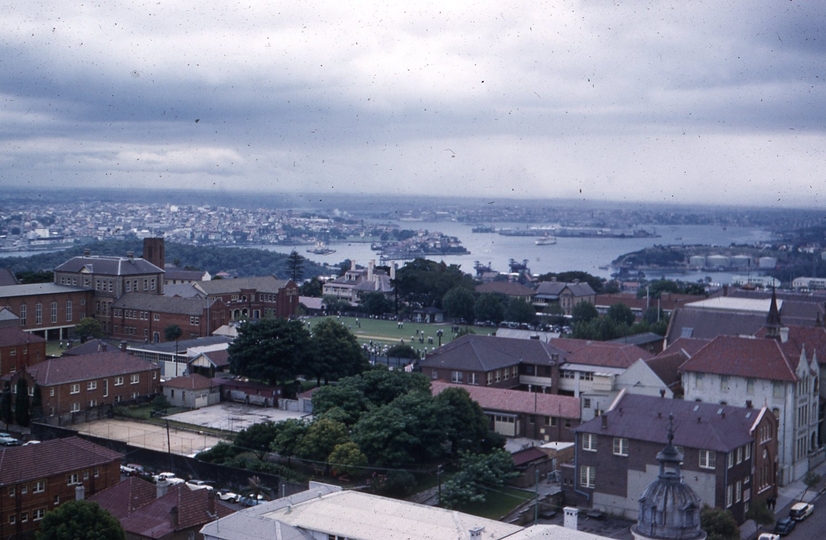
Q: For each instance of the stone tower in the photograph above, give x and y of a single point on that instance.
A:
(153, 251)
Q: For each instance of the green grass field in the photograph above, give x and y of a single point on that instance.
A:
(388, 332)
(498, 503)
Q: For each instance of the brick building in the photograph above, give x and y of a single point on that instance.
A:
(254, 297)
(729, 454)
(49, 310)
(74, 383)
(19, 349)
(144, 317)
(110, 278)
(37, 478)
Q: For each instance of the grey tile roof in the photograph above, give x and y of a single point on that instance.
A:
(554, 288)
(267, 284)
(161, 303)
(110, 266)
(89, 366)
(168, 347)
(28, 289)
(7, 277)
(708, 323)
(21, 463)
(485, 353)
(707, 426)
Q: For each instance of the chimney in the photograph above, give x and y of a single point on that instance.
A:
(80, 492)
(87, 252)
(476, 533)
(392, 270)
(161, 488)
(604, 420)
(370, 266)
(784, 334)
(352, 264)
(131, 256)
(123, 345)
(210, 502)
(570, 521)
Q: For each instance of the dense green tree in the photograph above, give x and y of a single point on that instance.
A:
(621, 314)
(220, 453)
(256, 487)
(719, 524)
(382, 386)
(6, 405)
(599, 329)
(424, 282)
(348, 400)
(273, 350)
(79, 520)
(376, 303)
(402, 351)
(477, 473)
(88, 327)
(312, 287)
(347, 458)
(335, 352)
(464, 422)
(335, 305)
(321, 438)
(295, 266)
(39, 276)
(37, 402)
(257, 438)
(160, 404)
(22, 414)
(555, 314)
(584, 312)
(520, 311)
(290, 434)
(489, 307)
(458, 304)
(172, 332)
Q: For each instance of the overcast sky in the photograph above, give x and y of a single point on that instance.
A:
(713, 102)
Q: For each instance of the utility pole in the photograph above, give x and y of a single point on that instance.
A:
(536, 505)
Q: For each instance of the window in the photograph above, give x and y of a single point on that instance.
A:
(93, 403)
(156, 316)
(118, 381)
(134, 378)
(724, 382)
(740, 455)
(587, 476)
(38, 314)
(729, 495)
(92, 385)
(698, 380)
(68, 311)
(507, 374)
(730, 460)
(620, 446)
(51, 392)
(23, 314)
(24, 517)
(434, 374)
(12, 519)
(97, 472)
(586, 403)
(12, 491)
(38, 514)
(24, 489)
(750, 385)
(708, 459)
(550, 421)
(586, 376)
(39, 486)
(74, 389)
(777, 389)
(473, 378)
(456, 376)
(589, 442)
(738, 487)
(567, 422)
(54, 312)
(56, 500)
(193, 321)
(75, 407)
(85, 475)
(515, 371)
(748, 451)
(72, 479)
(498, 375)
(490, 378)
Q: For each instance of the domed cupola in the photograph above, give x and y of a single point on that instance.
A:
(669, 508)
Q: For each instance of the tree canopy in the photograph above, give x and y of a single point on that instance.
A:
(88, 327)
(273, 350)
(424, 282)
(335, 352)
(489, 307)
(458, 304)
(80, 520)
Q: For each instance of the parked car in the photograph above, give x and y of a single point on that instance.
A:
(768, 536)
(195, 485)
(127, 470)
(6, 435)
(227, 495)
(9, 441)
(29, 443)
(249, 500)
(801, 511)
(784, 526)
(169, 477)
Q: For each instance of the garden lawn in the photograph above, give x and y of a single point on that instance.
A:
(498, 503)
(388, 332)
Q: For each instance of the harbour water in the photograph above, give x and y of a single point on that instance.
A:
(591, 255)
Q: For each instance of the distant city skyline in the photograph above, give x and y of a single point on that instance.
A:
(666, 102)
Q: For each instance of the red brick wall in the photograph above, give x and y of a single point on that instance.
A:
(16, 357)
(81, 306)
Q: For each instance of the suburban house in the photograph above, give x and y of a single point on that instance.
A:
(771, 370)
(173, 356)
(37, 478)
(160, 511)
(209, 362)
(19, 349)
(144, 317)
(494, 361)
(109, 278)
(255, 297)
(565, 295)
(177, 276)
(728, 453)
(325, 512)
(191, 391)
(72, 384)
(514, 413)
(356, 282)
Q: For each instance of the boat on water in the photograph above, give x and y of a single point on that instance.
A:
(546, 240)
(321, 249)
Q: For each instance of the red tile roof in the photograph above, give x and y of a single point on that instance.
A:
(812, 339)
(126, 497)
(690, 345)
(601, 353)
(516, 401)
(189, 382)
(523, 457)
(759, 358)
(21, 463)
(84, 367)
(10, 336)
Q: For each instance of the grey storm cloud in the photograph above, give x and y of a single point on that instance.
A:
(656, 101)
